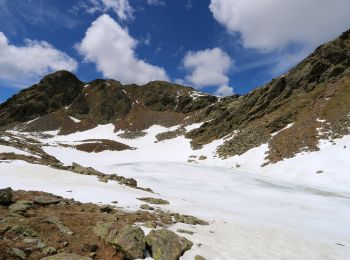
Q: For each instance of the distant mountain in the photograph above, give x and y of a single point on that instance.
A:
(290, 113)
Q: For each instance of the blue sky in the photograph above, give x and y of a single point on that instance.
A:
(216, 46)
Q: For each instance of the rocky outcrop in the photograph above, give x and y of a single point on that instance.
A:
(60, 96)
(306, 93)
(74, 230)
(128, 239)
(53, 92)
(46, 200)
(5, 196)
(166, 245)
(187, 219)
(155, 201)
(21, 206)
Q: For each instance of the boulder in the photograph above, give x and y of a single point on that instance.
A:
(66, 256)
(46, 200)
(199, 257)
(185, 231)
(77, 168)
(21, 206)
(5, 196)
(19, 253)
(146, 207)
(102, 229)
(150, 224)
(187, 219)
(24, 231)
(35, 241)
(129, 240)
(166, 245)
(62, 228)
(49, 250)
(106, 208)
(155, 201)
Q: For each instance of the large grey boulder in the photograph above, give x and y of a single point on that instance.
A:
(166, 245)
(130, 240)
(46, 200)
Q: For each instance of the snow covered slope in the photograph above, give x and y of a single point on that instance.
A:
(281, 211)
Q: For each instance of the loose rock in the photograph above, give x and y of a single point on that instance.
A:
(146, 207)
(156, 201)
(185, 231)
(49, 250)
(150, 224)
(187, 219)
(19, 253)
(21, 206)
(62, 228)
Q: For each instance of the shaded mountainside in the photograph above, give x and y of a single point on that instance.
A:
(290, 113)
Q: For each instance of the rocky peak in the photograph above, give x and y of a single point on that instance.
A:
(59, 77)
(53, 92)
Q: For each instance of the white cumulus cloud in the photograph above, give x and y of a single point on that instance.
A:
(112, 49)
(122, 8)
(207, 67)
(224, 90)
(273, 24)
(30, 61)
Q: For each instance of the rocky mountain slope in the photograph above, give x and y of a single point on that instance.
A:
(82, 231)
(312, 99)
(290, 114)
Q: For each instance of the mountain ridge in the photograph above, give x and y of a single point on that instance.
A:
(303, 103)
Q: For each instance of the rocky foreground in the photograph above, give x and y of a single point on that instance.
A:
(38, 225)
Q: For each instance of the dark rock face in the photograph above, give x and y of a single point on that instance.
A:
(6, 196)
(53, 92)
(102, 101)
